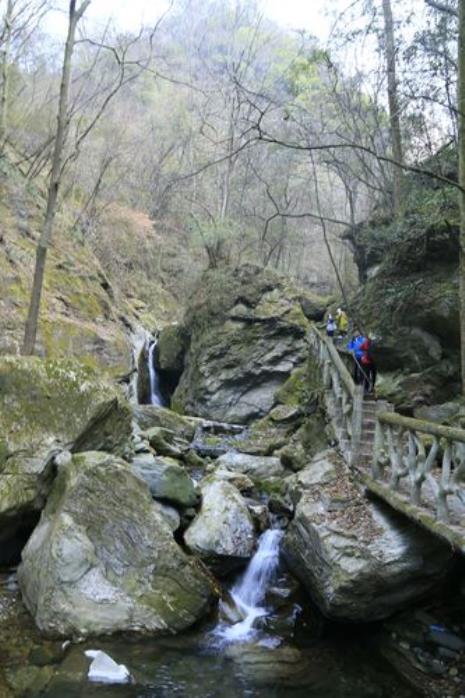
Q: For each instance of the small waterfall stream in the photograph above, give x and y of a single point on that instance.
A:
(249, 592)
(156, 397)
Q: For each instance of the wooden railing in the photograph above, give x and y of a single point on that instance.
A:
(425, 459)
(418, 467)
(343, 398)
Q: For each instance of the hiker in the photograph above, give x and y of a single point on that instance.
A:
(368, 366)
(330, 326)
(342, 322)
(354, 346)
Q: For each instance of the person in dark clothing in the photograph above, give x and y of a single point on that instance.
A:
(368, 366)
(330, 326)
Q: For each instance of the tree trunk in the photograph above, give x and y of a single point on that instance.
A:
(45, 239)
(5, 76)
(461, 133)
(394, 121)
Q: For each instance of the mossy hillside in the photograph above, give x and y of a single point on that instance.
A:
(85, 312)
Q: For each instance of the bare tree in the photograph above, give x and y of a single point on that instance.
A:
(461, 134)
(394, 109)
(30, 333)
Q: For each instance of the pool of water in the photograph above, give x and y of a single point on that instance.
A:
(187, 667)
(292, 654)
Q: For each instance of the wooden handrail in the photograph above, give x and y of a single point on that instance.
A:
(337, 361)
(423, 426)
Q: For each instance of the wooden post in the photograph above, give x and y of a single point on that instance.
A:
(357, 422)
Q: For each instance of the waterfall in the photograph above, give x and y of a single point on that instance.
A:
(250, 590)
(156, 397)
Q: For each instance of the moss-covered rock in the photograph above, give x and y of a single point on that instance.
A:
(47, 406)
(247, 334)
(166, 479)
(148, 416)
(223, 532)
(104, 560)
(171, 348)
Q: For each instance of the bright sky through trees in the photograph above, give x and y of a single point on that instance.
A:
(295, 14)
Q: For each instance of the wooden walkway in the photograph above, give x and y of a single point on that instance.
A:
(416, 466)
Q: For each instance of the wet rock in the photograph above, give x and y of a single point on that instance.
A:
(28, 681)
(256, 467)
(260, 516)
(222, 533)
(166, 479)
(357, 559)
(103, 559)
(272, 665)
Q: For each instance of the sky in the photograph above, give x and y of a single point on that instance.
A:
(129, 14)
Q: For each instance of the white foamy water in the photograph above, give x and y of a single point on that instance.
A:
(249, 592)
(155, 393)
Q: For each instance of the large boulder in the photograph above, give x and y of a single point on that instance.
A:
(223, 532)
(166, 479)
(149, 416)
(103, 559)
(45, 407)
(247, 334)
(358, 560)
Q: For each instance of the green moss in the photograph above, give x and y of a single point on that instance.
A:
(295, 390)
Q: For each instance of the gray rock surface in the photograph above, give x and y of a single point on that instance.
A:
(166, 479)
(358, 560)
(241, 481)
(222, 533)
(258, 467)
(103, 559)
(247, 333)
(148, 416)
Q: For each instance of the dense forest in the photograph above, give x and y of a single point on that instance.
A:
(242, 141)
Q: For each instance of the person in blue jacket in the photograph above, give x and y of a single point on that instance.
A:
(355, 348)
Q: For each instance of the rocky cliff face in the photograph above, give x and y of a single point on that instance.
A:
(245, 332)
(409, 296)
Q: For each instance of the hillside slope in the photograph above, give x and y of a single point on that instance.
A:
(88, 308)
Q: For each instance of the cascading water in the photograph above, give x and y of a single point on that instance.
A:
(156, 397)
(248, 594)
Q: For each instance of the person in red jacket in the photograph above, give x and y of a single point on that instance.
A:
(368, 366)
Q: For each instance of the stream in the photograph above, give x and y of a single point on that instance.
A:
(254, 648)
(265, 640)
